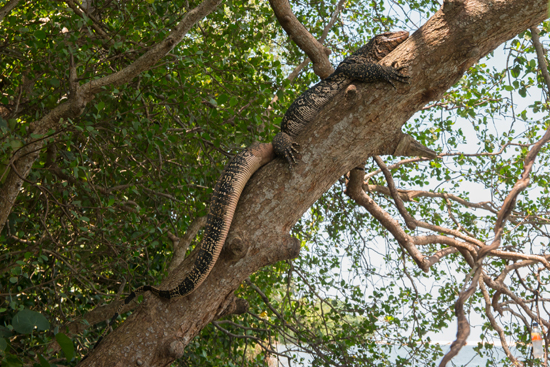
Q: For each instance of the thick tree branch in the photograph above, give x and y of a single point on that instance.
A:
(300, 35)
(341, 137)
(298, 69)
(430, 260)
(443, 240)
(463, 326)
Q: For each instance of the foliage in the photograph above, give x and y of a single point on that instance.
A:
(92, 218)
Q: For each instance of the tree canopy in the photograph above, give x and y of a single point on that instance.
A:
(117, 118)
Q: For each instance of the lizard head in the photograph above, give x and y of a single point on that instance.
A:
(381, 45)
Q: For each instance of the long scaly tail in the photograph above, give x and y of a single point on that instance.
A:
(220, 215)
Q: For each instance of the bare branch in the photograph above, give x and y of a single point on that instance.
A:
(180, 245)
(410, 195)
(439, 255)
(510, 201)
(503, 289)
(355, 191)
(95, 24)
(463, 326)
(415, 160)
(495, 324)
(333, 18)
(543, 67)
(451, 232)
(444, 240)
(409, 220)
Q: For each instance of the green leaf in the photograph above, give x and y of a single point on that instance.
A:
(26, 321)
(54, 82)
(223, 98)
(11, 361)
(100, 106)
(16, 144)
(66, 345)
(3, 344)
(5, 332)
(43, 361)
(39, 34)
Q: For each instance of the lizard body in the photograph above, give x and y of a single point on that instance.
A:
(363, 66)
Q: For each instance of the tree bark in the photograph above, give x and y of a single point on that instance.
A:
(345, 134)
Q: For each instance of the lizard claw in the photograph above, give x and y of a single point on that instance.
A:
(389, 80)
(394, 75)
(285, 147)
(290, 157)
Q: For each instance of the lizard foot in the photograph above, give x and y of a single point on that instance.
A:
(285, 147)
(394, 73)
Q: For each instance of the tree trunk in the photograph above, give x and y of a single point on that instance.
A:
(351, 128)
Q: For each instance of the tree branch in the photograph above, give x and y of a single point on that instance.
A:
(300, 35)
(543, 67)
(341, 137)
(180, 245)
(463, 326)
(510, 201)
(355, 191)
(6, 9)
(495, 324)
(95, 24)
(409, 220)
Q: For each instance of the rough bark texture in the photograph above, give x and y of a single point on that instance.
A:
(346, 133)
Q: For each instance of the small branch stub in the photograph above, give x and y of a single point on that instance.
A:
(175, 349)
